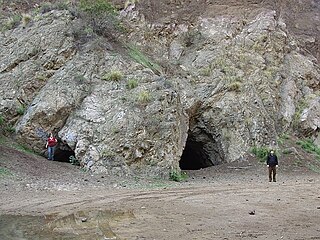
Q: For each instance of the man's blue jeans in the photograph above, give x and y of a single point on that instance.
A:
(51, 153)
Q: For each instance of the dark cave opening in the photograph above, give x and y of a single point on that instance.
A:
(201, 151)
(63, 154)
(194, 157)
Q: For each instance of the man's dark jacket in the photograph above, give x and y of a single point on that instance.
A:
(272, 160)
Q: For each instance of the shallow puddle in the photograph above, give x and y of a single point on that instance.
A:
(82, 225)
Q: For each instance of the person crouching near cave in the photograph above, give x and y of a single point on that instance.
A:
(51, 144)
(272, 164)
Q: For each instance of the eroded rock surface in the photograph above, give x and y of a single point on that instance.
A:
(209, 90)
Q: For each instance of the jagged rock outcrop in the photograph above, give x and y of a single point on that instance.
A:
(248, 72)
(211, 89)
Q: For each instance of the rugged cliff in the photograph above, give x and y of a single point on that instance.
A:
(161, 85)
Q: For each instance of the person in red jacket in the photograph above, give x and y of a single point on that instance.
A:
(51, 143)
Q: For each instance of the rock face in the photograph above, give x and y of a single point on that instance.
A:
(210, 89)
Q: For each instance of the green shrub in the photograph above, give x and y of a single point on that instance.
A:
(61, 5)
(21, 110)
(234, 86)
(107, 153)
(205, 71)
(26, 19)
(41, 77)
(314, 168)
(45, 7)
(48, 6)
(97, 7)
(309, 146)
(142, 59)
(144, 96)
(282, 138)
(114, 75)
(260, 152)
(74, 161)
(4, 172)
(1, 120)
(100, 15)
(132, 83)
(88, 31)
(178, 176)
(24, 148)
(2, 138)
(12, 22)
(10, 129)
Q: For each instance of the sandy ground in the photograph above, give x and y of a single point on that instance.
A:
(231, 201)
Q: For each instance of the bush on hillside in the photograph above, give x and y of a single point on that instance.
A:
(100, 15)
(144, 96)
(309, 146)
(114, 75)
(260, 152)
(178, 176)
(132, 83)
(1, 120)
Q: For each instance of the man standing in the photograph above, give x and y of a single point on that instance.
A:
(272, 164)
(51, 143)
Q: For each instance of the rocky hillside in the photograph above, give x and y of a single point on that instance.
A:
(149, 87)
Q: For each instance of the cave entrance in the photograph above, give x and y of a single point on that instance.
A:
(63, 154)
(201, 151)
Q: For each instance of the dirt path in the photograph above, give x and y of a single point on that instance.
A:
(200, 211)
(52, 200)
